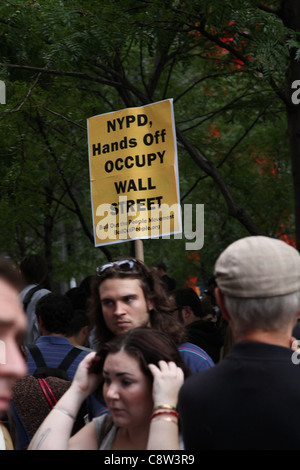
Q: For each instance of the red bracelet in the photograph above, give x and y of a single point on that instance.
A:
(166, 412)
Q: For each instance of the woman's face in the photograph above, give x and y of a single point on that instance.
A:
(127, 390)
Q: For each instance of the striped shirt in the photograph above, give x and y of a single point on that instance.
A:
(195, 357)
(54, 349)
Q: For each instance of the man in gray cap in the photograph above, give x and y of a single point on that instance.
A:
(250, 399)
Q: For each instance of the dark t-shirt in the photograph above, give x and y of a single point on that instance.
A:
(248, 401)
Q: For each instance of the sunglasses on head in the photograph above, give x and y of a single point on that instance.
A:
(122, 265)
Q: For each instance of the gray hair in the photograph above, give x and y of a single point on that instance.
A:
(266, 314)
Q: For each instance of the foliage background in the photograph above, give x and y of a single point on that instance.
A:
(224, 65)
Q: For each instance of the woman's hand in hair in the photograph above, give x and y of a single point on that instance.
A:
(86, 379)
(167, 381)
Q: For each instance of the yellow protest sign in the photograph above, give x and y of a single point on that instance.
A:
(134, 173)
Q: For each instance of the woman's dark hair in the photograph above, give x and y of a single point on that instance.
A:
(148, 346)
(162, 316)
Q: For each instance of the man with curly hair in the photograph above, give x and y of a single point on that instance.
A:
(126, 294)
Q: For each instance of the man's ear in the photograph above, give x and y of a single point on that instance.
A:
(221, 303)
(85, 331)
(40, 324)
(187, 312)
(150, 305)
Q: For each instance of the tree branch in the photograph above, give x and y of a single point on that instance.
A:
(206, 77)
(227, 153)
(215, 112)
(10, 111)
(82, 76)
(233, 209)
(69, 191)
(214, 38)
(63, 117)
(242, 137)
(268, 9)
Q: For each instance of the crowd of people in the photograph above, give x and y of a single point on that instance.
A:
(129, 361)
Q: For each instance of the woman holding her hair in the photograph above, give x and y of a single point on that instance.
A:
(141, 373)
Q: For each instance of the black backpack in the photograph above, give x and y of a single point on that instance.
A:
(43, 371)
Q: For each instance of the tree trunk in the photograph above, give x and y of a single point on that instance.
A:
(290, 15)
(48, 233)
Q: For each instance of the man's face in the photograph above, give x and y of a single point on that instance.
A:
(124, 305)
(12, 329)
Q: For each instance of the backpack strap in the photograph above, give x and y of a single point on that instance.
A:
(47, 391)
(69, 359)
(43, 371)
(29, 295)
(37, 356)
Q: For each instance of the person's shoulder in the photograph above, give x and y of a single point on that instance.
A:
(26, 289)
(192, 348)
(195, 357)
(76, 353)
(84, 348)
(83, 351)
(40, 293)
(35, 293)
(99, 420)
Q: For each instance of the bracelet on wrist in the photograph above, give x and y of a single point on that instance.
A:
(165, 412)
(165, 407)
(170, 420)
